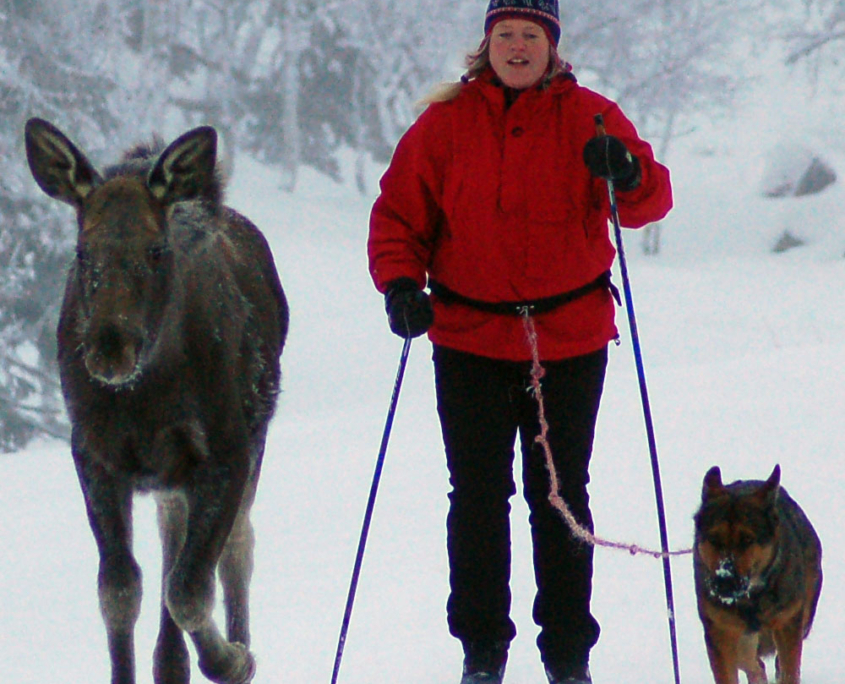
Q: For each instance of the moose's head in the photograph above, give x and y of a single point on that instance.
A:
(123, 279)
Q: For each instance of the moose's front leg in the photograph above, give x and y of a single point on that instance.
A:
(214, 499)
(108, 502)
(171, 662)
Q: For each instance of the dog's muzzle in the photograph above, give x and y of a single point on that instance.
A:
(726, 585)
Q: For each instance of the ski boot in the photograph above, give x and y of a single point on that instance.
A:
(485, 663)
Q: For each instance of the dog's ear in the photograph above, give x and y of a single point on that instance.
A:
(768, 492)
(712, 484)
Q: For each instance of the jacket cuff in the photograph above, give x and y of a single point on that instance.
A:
(401, 284)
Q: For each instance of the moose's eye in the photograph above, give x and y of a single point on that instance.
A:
(82, 257)
(87, 270)
(156, 253)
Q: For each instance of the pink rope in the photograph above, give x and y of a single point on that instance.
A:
(578, 530)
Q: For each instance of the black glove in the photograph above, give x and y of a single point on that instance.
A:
(607, 157)
(409, 311)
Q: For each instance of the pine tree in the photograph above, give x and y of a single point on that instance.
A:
(40, 74)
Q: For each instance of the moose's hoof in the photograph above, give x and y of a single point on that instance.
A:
(237, 667)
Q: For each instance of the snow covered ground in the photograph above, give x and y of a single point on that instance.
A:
(743, 352)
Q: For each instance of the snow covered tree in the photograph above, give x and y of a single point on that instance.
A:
(293, 84)
(295, 96)
(43, 72)
(817, 39)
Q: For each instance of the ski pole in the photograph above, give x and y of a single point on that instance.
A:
(368, 515)
(652, 444)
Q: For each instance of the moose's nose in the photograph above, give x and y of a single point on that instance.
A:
(112, 355)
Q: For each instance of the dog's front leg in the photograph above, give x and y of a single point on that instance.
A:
(723, 651)
(748, 648)
(789, 642)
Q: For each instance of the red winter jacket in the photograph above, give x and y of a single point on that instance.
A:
(496, 204)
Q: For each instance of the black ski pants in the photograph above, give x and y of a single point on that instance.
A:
(483, 404)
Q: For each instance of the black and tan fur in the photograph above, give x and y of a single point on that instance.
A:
(758, 576)
(169, 340)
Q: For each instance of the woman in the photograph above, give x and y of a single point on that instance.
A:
(495, 199)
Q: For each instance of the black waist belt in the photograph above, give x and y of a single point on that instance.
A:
(532, 306)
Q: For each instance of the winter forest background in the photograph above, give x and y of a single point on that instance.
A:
(304, 84)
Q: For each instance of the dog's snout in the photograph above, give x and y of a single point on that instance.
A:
(727, 568)
(727, 584)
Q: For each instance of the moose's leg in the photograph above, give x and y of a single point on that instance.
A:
(213, 503)
(220, 660)
(235, 570)
(108, 502)
(171, 662)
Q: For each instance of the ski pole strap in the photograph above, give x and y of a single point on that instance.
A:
(532, 306)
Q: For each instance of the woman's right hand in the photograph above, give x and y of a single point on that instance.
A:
(409, 310)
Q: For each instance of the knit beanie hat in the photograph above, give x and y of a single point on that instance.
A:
(544, 12)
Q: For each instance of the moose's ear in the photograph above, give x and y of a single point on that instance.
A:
(185, 170)
(712, 484)
(59, 168)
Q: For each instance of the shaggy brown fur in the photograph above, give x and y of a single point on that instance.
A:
(169, 340)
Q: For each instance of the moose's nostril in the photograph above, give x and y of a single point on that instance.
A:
(112, 355)
(110, 342)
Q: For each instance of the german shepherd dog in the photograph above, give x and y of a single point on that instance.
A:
(758, 575)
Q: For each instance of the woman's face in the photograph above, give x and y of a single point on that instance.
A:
(519, 52)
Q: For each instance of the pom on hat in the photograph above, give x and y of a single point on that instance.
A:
(544, 12)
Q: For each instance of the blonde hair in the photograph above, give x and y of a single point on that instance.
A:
(476, 63)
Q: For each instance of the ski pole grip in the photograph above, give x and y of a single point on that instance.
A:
(600, 130)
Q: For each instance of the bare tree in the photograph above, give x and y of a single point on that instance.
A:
(818, 38)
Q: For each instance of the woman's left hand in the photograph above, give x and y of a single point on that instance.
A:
(607, 157)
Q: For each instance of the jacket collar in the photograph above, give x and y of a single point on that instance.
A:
(494, 90)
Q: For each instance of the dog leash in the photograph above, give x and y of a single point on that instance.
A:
(537, 373)
(577, 529)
